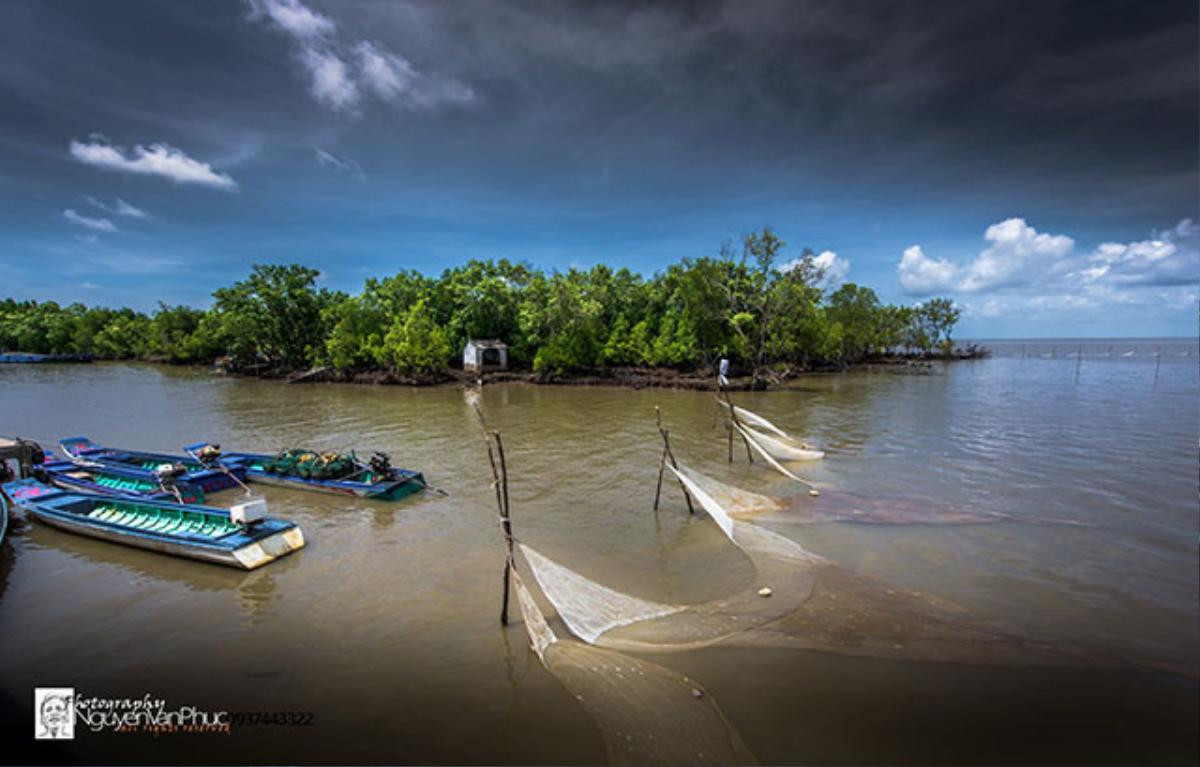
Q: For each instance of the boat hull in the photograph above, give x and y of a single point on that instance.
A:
(140, 465)
(403, 482)
(189, 531)
(381, 491)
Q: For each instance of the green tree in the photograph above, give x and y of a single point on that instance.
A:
(275, 313)
(858, 311)
(415, 343)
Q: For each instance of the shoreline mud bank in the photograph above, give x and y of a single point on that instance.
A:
(702, 379)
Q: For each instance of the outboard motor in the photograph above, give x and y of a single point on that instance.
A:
(209, 454)
(167, 475)
(381, 465)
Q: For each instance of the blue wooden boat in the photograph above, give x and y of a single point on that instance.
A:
(121, 470)
(115, 479)
(240, 537)
(29, 358)
(377, 480)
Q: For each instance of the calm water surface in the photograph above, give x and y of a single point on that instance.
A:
(386, 626)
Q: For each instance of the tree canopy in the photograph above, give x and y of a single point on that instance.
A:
(741, 304)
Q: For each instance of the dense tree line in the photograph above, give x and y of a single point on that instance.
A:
(740, 304)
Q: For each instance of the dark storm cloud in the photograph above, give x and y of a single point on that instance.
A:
(560, 130)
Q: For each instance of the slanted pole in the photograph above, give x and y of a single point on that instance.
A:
(668, 455)
(662, 459)
(506, 525)
(734, 421)
(500, 485)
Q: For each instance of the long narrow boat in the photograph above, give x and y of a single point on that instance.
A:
(120, 466)
(27, 357)
(382, 484)
(195, 532)
(112, 479)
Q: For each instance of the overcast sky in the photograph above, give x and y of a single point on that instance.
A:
(1038, 162)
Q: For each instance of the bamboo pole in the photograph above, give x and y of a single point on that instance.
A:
(666, 436)
(500, 485)
(734, 421)
(662, 459)
(506, 524)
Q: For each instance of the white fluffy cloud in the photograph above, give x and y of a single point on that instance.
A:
(155, 160)
(1018, 254)
(88, 222)
(834, 267)
(1023, 271)
(341, 72)
(921, 275)
(1170, 258)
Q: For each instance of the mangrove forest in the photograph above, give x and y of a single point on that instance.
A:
(742, 304)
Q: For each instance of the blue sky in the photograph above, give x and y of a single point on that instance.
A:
(1037, 163)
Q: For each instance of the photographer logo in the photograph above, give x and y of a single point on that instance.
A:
(54, 713)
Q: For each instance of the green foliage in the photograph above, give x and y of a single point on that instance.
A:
(745, 306)
(858, 312)
(415, 343)
(274, 314)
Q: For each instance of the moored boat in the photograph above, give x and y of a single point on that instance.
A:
(105, 479)
(120, 466)
(240, 537)
(30, 358)
(377, 480)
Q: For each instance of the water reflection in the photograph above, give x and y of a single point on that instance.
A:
(391, 609)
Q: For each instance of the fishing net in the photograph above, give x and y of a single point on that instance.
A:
(309, 464)
(646, 714)
(596, 613)
(786, 450)
(755, 420)
(782, 446)
(770, 459)
(811, 604)
(736, 501)
(838, 507)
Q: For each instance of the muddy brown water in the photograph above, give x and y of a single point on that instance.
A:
(386, 626)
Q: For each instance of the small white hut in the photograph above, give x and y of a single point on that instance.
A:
(485, 354)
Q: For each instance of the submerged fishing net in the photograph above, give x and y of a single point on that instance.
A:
(646, 714)
(811, 604)
(838, 507)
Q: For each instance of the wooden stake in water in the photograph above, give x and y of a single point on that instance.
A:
(500, 484)
(668, 456)
(662, 458)
(735, 423)
(1157, 363)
